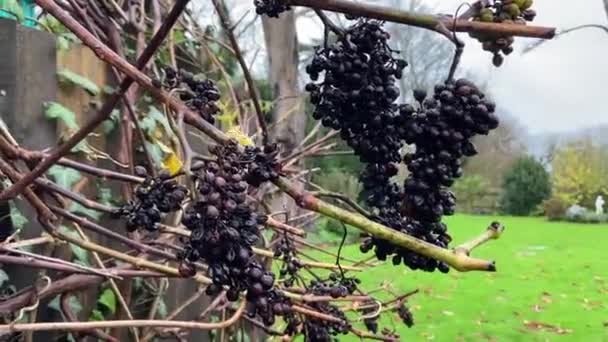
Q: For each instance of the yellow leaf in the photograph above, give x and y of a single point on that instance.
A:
(172, 163)
(238, 135)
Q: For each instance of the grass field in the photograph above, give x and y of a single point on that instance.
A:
(551, 285)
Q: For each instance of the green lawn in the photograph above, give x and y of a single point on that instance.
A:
(551, 285)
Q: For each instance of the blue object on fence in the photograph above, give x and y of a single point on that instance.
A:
(22, 10)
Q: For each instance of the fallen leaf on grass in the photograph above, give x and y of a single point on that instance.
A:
(540, 326)
(546, 297)
(537, 308)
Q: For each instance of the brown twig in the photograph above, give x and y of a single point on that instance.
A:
(560, 33)
(493, 232)
(83, 326)
(441, 24)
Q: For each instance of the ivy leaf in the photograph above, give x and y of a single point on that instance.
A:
(162, 309)
(77, 208)
(96, 315)
(104, 196)
(3, 277)
(13, 8)
(69, 77)
(73, 302)
(109, 90)
(108, 300)
(110, 124)
(56, 111)
(153, 120)
(84, 148)
(63, 176)
(155, 152)
(19, 221)
(80, 253)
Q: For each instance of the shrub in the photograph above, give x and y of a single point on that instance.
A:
(524, 187)
(555, 208)
(576, 213)
(581, 215)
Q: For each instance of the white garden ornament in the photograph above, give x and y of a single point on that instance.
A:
(599, 205)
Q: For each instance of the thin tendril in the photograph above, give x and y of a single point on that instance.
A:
(340, 250)
(459, 45)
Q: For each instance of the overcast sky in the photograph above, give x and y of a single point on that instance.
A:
(560, 86)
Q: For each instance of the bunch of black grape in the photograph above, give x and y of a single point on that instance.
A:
(224, 227)
(370, 321)
(321, 330)
(262, 164)
(357, 90)
(153, 198)
(224, 224)
(406, 315)
(291, 265)
(271, 8)
(441, 129)
(199, 95)
(335, 286)
(516, 12)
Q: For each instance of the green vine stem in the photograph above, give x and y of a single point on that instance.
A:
(458, 261)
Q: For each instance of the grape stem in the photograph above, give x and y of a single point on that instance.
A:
(458, 261)
(267, 253)
(560, 33)
(435, 23)
(83, 326)
(493, 232)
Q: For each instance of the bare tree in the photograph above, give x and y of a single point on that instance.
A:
(288, 117)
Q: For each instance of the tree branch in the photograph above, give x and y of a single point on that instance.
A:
(493, 232)
(84, 326)
(457, 261)
(435, 23)
(560, 33)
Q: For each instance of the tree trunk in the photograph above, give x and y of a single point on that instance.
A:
(289, 119)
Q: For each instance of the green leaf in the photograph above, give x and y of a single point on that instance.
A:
(108, 299)
(13, 8)
(84, 148)
(78, 208)
(156, 153)
(64, 177)
(108, 125)
(96, 315)
(69, 77)
(104, 196)
(154, 118)
(162, 309)
(80, 253)
(56, 111)
(109, 90)
(73, 302)
(3, 277)
(17, 217)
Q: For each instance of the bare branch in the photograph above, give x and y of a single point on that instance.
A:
(493, 232)
(430, 22)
